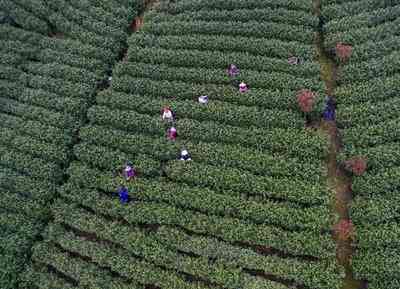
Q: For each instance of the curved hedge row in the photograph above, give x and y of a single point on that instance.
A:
(237, 156)
(223, 43)
(278, 15)
(254, 29)
(228, 229)
(239, 4)
(243, 219)
(161, 246)
(53, 56)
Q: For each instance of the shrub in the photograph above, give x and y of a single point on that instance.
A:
(357, 165)
(343, 51)
(344, 230)
(306, 100)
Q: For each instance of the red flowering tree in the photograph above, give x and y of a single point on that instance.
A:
(136, 24)
(357, 165)
(306, 99)
(343, 51)
(344, 230)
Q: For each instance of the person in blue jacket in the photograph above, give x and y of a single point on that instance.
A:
(123, 194)
(329, 113)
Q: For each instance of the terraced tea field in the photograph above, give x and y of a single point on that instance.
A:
(288, 111)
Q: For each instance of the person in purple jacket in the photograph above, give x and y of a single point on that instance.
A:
(243, 87)
(129, 172)
(172, 133)
(232, 70)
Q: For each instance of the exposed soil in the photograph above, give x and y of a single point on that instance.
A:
(338, 181)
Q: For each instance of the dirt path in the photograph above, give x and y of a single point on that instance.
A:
(338, 182)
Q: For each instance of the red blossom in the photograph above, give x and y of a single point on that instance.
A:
(343, 51)
(136, 24)
(306, 99)
(357, 165)
(344, 229)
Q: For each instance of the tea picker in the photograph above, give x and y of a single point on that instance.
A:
(123, 194)
(129, 172)
(167, 114)
(172, 133)
(203, 99)
(232, 70)
(329, 113)
(243, 87)
(185, 156)
(293, 60)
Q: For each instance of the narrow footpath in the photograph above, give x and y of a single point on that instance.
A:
(338, 182)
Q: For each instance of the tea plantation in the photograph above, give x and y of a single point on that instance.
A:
(181, 144)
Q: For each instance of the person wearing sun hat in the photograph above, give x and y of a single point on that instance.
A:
(185, 156)
(167, 114)
(172, 133)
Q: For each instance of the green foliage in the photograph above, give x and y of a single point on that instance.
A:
(216, 110)
(206, 200)
(82, 21)
(226, 228)
(136, 270)
(363, 34)
(265, 98)
(276, 140)
(375, 90)
(385, 266)
(42, 98)
(160, 247)
(236, 180)
(255, 79)
(381, 67)
(378, 157)
(47, 151)
(279, 15)
(363, 19)
(381, 183)
(41, 278)
(106, 16)
(254, 46)
(37, 168)
(219, 60)
(375, 210)
(385, 235)
(65, 72)
(46, 85)
(23, 17)
(252, 28)
(374, 49)
(26, 111)
(366, 113)
(41, 132)
(363, 136)
(37, 42)
(61, 86)
(256, 182)
(11, 266)
(338, 9)
(183, 6)
(25, 188)
(227, 155)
